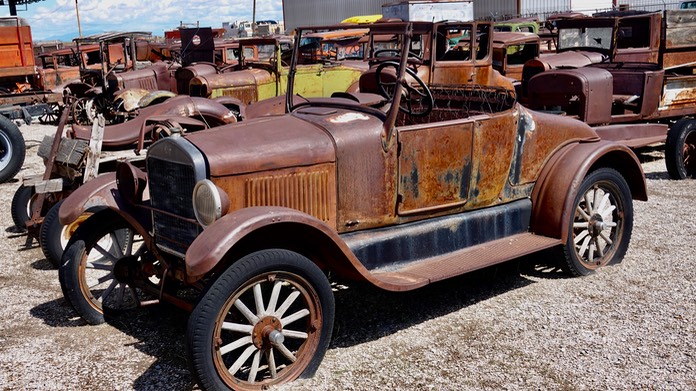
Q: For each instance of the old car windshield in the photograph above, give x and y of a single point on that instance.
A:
(585, 37)
(343, 57)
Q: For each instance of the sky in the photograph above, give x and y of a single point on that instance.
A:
(56, 19)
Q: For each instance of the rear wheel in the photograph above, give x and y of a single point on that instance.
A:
(12, 149)
(680, 149)
(265, 321)
(601, 223)
(97, 269)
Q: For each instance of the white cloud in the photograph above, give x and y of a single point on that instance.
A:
(156, 16)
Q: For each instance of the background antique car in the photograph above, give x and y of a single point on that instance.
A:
(266, 75)
(401, 184)
(641, 94)
(512, 50)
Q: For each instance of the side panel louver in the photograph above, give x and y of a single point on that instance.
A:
(312, 192)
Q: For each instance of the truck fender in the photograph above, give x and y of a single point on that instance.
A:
(98, 193)
(559, 180)
(256, 228)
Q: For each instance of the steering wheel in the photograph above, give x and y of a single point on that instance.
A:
(417, 102)
(413, 58)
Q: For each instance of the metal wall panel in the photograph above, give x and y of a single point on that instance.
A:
(543, 8)
(591, 6)
(325, 12)
(494, 9)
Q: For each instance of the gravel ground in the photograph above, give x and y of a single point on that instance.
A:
(521, 325)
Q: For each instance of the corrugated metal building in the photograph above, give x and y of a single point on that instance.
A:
(326, 12)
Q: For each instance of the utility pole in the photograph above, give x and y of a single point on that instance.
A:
(79, 27)
(13, 7)
(253, 20)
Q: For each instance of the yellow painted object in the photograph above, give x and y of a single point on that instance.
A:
(361, 19)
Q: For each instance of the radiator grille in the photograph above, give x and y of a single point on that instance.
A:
(171, 188)
(306, 191)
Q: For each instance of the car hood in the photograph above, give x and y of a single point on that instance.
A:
(263, 144)
(574, 59)
(245, 77)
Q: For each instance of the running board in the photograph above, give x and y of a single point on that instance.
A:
(423, 272)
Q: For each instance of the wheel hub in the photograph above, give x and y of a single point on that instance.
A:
(596, 225)
(267, 332)
(123, 269)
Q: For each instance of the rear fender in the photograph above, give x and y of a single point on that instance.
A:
(101, 192)
(561, 177)
(252, 229)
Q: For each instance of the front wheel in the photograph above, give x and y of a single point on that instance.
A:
(601, 223)
(20, 208)
(680, 149)
(97, 270)
(54, 236)
(265, 321)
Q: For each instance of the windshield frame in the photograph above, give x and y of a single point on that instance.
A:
(584, 24)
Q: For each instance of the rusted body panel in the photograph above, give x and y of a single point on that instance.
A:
(634, 136)
(158, 76)
(585, 93)
(362, 166)
(300, 144)
(539, 137)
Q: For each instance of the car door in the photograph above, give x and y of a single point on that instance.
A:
(434, 165)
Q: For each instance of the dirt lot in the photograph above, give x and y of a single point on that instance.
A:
(521, 325)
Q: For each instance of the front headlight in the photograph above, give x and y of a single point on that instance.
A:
(130, 182)
(209, 202)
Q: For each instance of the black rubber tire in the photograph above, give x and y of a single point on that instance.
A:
(612, 183)
(21, 205)
(50, 235)
(263, 267)
(680, 149)
(72, 271)
(12, 149)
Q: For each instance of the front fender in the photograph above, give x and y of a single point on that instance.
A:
(256, 228)
(561, 177)
(97, 192)
(102, 192)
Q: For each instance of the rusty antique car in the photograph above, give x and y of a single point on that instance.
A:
(512, 50)
(644, 93)
(401, 184)
(266, 75)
